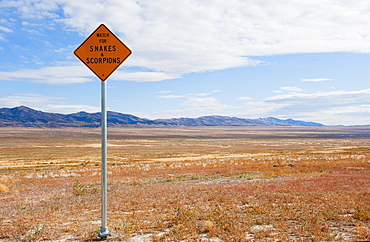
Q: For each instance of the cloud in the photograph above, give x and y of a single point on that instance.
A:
(142, 76)
(335, 107)
(56, 75)
(317, 80)
(166, 91)
(173, 38)
(44, 103)
(244, 98)
(33, 9)
(33, 100)
(196, 36)
(289, 89)
(189, 95)
(172, 96)
(179, 38)
(205, 104)
(71, 108)
(195, 105)
(5, 29)
(71, 74)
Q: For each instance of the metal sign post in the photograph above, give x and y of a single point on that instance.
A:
(104, 232)
(102, 52)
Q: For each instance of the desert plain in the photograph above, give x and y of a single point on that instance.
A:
(187, 184)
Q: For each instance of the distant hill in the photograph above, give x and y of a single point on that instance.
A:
(233, 121)
(27, 117)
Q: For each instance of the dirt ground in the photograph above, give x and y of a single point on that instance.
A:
(187, 184)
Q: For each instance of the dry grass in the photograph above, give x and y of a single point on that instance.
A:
(189, 184)
(3, 188)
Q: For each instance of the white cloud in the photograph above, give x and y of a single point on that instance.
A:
(319, 95)
(194, 36)
(189, 95)
(244, 98)
(172, 96)
(31, 100)
(331, 108)
(195, 105)
(179, 38)
(291, 89)
(71, 108)
(166, 91)
(35, 9)
(204, 104)
(171, 38)
(288, 89)
(142, 76)
(70, 74)
(5, 29)
(44, 103)
(317, 80)
(56, 75)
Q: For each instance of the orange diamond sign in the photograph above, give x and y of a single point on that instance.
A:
(102, 52)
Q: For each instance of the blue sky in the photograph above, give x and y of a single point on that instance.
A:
(306, 60)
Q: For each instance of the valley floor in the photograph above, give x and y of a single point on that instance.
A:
(187, 184)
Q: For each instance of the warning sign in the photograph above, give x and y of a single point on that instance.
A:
(102, 52)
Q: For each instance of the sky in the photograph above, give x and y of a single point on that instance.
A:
(305, 60)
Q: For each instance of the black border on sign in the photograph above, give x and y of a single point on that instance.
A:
(102, 79)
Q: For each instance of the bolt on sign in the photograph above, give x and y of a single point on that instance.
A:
(102, 52)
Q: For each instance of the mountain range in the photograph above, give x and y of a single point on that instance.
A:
(27, 117)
